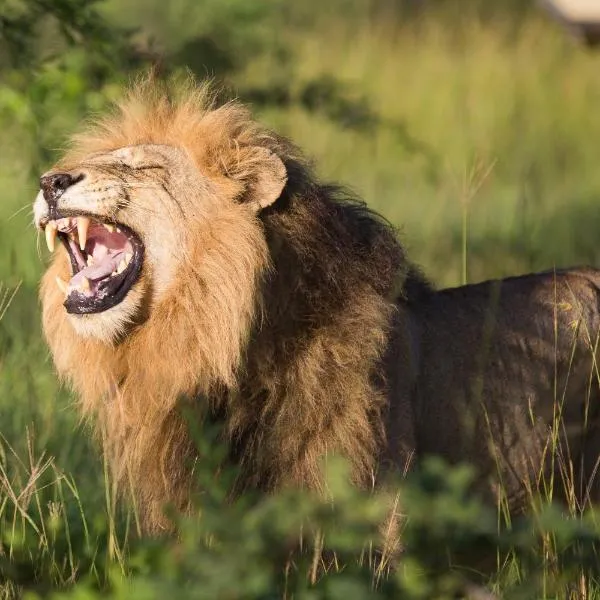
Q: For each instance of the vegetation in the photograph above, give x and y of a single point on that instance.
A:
(474, 128)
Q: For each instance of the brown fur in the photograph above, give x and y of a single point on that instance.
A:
(294, 318)
(509, 382)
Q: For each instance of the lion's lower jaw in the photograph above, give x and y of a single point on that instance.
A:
(110, 325)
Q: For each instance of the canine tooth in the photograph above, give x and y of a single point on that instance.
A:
(128, 257)
(84, 284)
(62, 285)
(110, 227)
(50, 232)
(122, 266)
(90, 260)
(83, 224)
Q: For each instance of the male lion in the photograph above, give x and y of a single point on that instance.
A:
(203, 264)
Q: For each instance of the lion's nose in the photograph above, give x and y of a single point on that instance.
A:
(55, 184)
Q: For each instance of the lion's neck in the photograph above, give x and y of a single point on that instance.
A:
(307, 397)
(313, 383)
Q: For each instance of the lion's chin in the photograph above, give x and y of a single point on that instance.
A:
(112, 325)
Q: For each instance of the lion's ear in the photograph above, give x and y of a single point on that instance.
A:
(268, 180)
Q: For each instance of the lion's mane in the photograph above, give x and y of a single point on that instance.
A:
(278, 331)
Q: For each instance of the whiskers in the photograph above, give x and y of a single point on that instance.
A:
(6, 297)
(38, 247)
(30, 224)
(20, 210)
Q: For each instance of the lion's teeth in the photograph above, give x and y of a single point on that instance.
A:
(83, 224)
(50, 232)
(90, 260)
(83, 285)
(62, 285)
(111, 228)
(122, 266)
(128, 257)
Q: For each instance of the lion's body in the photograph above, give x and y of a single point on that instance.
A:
(508, 382)
(297, 322)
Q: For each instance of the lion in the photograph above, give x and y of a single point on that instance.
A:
(203, 269)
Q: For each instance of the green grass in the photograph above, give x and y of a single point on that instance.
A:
(524, 106)
(478, 138)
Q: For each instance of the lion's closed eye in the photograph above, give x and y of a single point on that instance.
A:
(147, 167)
(135, 166)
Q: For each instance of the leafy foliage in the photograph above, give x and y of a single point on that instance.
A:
(294, 544)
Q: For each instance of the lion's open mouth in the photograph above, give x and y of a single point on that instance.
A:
(106, 260)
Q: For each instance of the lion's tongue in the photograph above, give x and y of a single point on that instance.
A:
(98, 271)
(107, 249)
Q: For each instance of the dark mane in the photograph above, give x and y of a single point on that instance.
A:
(337, 269)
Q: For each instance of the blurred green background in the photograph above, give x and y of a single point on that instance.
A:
(474, 126)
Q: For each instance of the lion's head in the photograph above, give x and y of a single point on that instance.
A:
(201, 262)
(138, 191)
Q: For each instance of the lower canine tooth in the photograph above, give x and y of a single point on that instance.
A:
(62, 285)
(122, 266)
(84, 284)
(90, 260)
(128, 257)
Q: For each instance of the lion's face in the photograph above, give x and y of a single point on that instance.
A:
(123, 218)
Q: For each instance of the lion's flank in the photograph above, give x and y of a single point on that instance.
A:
(277, 324)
